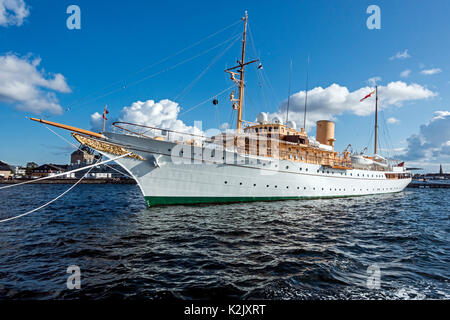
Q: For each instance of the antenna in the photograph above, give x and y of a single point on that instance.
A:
(306, 94)
(289, 91)
(376, 119)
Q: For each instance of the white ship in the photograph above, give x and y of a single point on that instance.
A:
(259, 161)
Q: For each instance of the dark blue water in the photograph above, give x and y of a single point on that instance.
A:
(317, 249)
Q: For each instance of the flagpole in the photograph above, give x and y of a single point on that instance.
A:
(104, 118)
(376, 118)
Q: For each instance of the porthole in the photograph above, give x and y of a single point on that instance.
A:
(275, 186)
(306, 169)
(226, 182)
(254, 184)
(240, 183)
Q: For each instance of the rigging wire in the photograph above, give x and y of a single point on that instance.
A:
(159, 72)
(79, 148)
(258, 70)
(154, 64)
(205, 101)
(191, 85)
(289, 91)
(266, 78)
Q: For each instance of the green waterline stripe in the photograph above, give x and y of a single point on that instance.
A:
(166, 201)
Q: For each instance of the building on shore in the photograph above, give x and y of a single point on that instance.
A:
(82, 157)
(433, 176)
(5, 170)
(19, 171)
(48, 170)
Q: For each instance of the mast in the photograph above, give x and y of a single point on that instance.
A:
(376, 119)
(241, 78)
(239, 106)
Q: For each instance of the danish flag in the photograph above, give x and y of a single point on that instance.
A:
(367, 96)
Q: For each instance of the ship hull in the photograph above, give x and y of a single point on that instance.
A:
(173, 174)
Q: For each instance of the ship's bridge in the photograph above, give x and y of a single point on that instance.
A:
(284, 132)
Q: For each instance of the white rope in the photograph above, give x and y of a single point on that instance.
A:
(48, 203)
(78, 148)
(65, 173)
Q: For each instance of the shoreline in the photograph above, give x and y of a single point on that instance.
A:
(72, 181)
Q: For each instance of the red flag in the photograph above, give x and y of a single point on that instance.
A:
(367, 96)
(401, 164)
(105, 112)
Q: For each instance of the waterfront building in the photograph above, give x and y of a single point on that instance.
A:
(5, 170)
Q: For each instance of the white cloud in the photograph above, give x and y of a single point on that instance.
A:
(12, 12)
(162, 114)
(373, 81)
(431, 71)
(432, 143)
(27, 88)
(401, 55)
(327, 103)
(392, 120)
(96, 122)
(405, 74)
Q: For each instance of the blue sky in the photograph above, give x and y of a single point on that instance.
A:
(117, 39)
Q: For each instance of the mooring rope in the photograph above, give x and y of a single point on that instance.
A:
(48, 203)
(65, 173)
(65, 192)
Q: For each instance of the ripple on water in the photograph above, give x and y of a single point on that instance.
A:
(318, 249)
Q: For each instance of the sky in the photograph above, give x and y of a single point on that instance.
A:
(161, 63)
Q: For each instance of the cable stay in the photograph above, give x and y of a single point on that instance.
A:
(77, 101)
(160, 72)
(213, 62)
